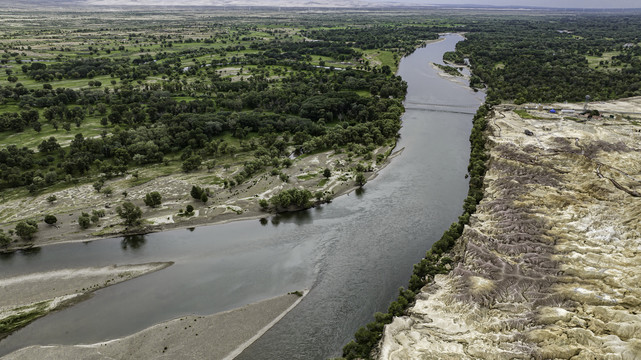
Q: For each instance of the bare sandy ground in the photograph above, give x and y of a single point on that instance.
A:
(219, 336)
(25, 298)
(225, 204)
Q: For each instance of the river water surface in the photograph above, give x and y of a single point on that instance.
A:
(353, 254)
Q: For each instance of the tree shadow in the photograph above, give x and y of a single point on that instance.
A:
(132, 241)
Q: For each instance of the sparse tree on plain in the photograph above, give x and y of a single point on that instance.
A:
(130, 213)
(360, 179)
(51, 219)
(153, 199)
(26, 229)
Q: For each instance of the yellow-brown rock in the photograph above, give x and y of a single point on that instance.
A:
(550, 266)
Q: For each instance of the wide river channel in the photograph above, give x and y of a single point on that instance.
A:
(352, 254)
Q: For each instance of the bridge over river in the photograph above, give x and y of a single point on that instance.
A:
(447, 108)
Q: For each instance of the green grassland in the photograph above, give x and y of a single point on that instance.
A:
(157, 94)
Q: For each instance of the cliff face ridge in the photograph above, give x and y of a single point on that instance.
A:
(550, 265)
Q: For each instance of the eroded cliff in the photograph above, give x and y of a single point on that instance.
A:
(550, 266)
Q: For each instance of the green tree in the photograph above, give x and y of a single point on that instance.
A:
(264, 204)
(153, 199)
(50, 219)
(26, 229)
(5, 239)
(196, 192)
(130, 213)
(51, 199)
(360, 179)
(98, 185)
(189, 210)
(291, 197)
(191, 163)
(84, 220)
(327, 173)
(210, 165)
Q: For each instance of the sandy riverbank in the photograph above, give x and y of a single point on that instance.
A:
(225, 204)
(25, 298)
(218, 336)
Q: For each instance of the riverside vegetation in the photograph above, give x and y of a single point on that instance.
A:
(153, 95)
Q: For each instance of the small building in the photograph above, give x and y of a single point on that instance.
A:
(567, 111)
(552, 111)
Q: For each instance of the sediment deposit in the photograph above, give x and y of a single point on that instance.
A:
(218, 336)
(550, 266)
(25, 298)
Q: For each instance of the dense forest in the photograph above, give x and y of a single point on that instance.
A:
(174, 100)
(555, 58)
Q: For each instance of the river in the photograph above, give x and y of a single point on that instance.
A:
(353, 254)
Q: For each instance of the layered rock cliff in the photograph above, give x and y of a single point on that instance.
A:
(550, 266)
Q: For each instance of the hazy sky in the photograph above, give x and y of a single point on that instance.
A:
(543, 3)
(540, 3)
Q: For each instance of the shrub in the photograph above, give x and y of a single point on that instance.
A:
(153, 199)
(50, 219)
(84, 220)
(26, 229)
(292, 197)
